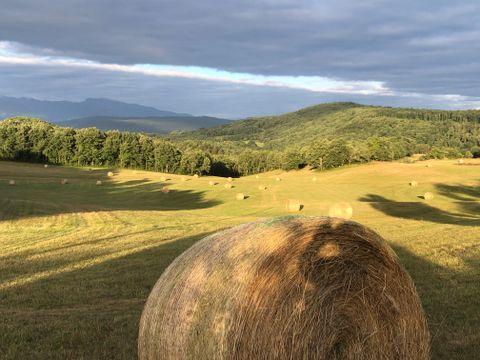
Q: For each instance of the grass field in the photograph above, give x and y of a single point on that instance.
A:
(77, 261)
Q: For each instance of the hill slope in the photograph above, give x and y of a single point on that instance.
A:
(351, 122)
(66, 110)
(157, 125)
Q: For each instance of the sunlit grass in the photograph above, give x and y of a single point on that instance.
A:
(77, 261)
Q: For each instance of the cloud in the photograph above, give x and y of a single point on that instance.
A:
(419, 51)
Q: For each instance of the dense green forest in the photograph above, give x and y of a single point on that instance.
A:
(323, 137)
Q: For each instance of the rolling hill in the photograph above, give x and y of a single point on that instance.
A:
(349, 121)
(154, 125)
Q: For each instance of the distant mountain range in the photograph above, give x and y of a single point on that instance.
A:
(105, 114)
(154, 125)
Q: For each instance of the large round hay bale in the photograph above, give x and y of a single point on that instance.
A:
(285, 288)
(413, 183)
(229, 178)
(341, 210)
(240, 196)
(257, 177)
(428, 165)
(165, 190)
(163, 178)
(45, 166)
(314, 178)
(228, 186)
(64, 181)
(428, 196)
(183, 178)
(110, 174)
(11, 182)
(278, 179)
(460, 161)
(293, 205)
(99, 182)
(196, 176)
(211, 183)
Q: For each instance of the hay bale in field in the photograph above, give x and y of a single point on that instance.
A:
(165, 190)
(428, 165)
(196, 176)
(428, 196)
(460, 161)
(64, 181)
(293, 205)
(212, 183)
(285, 288)
(341, 210)
(229, 179)
(183, 178)
(45, 166)
(163, 178)
(262, 187)
(413, 183)
(278, 179)
(240, 196)
(257, 177)
(110, 174)
(98, 183)
(228, 186)
(314, 179)
(11, 182)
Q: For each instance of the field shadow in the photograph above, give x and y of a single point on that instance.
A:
(412, 210)
(32, 197)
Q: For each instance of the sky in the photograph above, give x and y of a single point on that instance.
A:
(243, 58)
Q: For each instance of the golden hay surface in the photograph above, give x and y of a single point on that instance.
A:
(110, 174)
(293, 205)
(240, 196)
(413, 183)
(428, 196)
(285, 288)
(341, 210)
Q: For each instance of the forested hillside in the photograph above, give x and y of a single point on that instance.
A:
(323, 137)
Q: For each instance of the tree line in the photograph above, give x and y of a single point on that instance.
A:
(34, 140)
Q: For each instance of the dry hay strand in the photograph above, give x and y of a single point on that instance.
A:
(98, 183)
(428, 196)
(278, 179)
(11, 182)
(229, 179)
(240, 196)
(165, 190)
(64, 181)
(285, 288)
(110, 174)
(262, 187)
(293, 205)
(196, 176)
(45, 166)
(413, 183)
(212, 183)
(228, 186)
(341, 210)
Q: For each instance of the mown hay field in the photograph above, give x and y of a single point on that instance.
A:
(77, 261)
